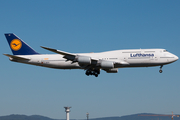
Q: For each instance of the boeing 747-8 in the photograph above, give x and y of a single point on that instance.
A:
(108, 61)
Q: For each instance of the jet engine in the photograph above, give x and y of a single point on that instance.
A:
(107, 65)
(84, 60)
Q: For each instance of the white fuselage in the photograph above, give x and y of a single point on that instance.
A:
(134, 58)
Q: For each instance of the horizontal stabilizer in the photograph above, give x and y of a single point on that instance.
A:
(16, 57)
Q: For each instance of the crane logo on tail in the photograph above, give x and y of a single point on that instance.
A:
(16, 44)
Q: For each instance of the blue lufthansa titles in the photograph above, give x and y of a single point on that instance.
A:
(141, 55)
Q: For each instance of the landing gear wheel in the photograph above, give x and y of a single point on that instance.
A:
(92, 72)
(87, 73)
(96, 75)
(161, 69)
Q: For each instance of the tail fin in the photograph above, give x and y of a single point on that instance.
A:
(18, 46)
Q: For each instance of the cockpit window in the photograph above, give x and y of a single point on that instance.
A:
(164, 50)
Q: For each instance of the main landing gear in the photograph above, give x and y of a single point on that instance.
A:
(161, 69)
(93, 72)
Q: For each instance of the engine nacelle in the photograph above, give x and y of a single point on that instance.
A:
(84, 60)
(114, 70)
(107, 65)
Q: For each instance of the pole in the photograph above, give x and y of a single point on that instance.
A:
(87, 114)
(67, 110)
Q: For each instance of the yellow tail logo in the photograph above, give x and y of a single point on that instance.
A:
(16, 44)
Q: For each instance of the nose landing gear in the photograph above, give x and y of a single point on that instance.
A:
(161, 69)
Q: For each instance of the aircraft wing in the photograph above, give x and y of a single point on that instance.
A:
(16, 57)
(58, 51)
(68, 56)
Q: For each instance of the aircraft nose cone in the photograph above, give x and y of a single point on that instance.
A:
(176, 57)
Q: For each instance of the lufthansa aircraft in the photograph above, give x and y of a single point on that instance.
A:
(108, 61)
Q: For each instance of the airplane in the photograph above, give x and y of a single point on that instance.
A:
(108, 61)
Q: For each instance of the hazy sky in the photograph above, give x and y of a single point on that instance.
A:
(90, 26)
